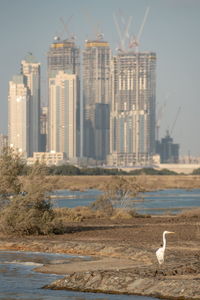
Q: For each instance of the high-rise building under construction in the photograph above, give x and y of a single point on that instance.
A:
(132, 119)
(64, 97)
(96, 98)
(63, 55)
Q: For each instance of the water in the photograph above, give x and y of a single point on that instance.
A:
(18, 280)
(172, 201)
(66, 198)
(157, 202)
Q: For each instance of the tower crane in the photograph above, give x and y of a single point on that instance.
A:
(158, 119)
(96, 28)
(176, 117)
(122, 32)
(70, 35)
(135, 41)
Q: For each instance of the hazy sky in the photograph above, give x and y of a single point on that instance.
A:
(172, 30)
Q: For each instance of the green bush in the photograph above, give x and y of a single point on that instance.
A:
(196, 172)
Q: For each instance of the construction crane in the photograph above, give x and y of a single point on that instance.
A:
(176, 117)
(96, 28)
(70, 35)
(158, 119)
(135, 41)
(122, 28)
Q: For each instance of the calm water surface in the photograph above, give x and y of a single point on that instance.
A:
(157, 202)
(18, 281)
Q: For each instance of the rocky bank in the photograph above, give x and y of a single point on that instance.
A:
(130, 276)
(131, 281)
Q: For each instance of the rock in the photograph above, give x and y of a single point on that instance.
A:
(144, 280)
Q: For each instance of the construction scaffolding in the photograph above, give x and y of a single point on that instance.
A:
(132, 124)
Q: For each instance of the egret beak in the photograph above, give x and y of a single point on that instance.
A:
(171, 232)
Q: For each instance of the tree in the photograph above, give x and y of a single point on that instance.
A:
(11, 166)
(29, 212)
(64, 169)
(196, 172)
(121, 190)
(118, 192)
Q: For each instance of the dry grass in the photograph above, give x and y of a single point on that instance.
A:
(189, 216)
(150, 182)
(124, 214)
(81, 213)
(191, 213)
(76, 214)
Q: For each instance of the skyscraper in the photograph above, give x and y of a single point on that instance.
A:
(96, 98)
(30, 68)
(64, 135)
(63, 55)
(132, 132)
(18, 114)
(64, 97)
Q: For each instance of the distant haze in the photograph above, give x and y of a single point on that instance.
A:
(171, 30)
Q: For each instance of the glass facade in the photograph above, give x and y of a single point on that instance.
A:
(96, 99)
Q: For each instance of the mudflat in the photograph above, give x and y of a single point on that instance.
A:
(120, 237)
(123, 251)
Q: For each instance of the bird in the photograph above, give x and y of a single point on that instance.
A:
(160, 253)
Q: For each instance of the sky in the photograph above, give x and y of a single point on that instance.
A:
(172, 30)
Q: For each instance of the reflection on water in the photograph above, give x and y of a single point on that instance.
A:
(157, 202)
(18, 281)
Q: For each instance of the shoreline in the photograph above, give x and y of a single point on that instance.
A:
(123, 251)
(116, 275)
(123, 257)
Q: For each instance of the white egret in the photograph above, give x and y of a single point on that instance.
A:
(160, 253)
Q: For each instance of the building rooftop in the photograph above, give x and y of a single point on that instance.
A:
(18, 79)
(30, 58)
(96, 43)
(59, 43)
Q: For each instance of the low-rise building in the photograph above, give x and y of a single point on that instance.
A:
(48, 158)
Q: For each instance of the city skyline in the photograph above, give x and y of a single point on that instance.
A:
(118, 94)
(171, 31)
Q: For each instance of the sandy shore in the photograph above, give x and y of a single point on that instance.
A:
(101, 263)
